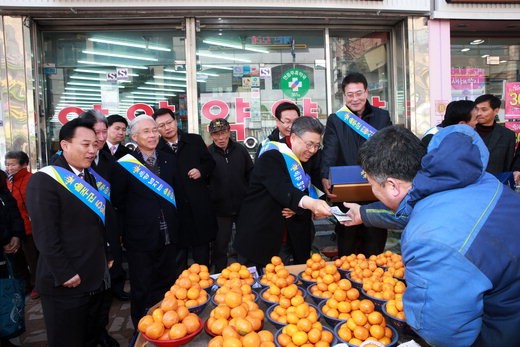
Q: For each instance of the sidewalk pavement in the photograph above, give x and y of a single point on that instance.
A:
(119, 327)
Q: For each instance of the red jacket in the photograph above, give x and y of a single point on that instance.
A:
(18, 189)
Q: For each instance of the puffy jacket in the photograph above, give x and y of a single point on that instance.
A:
(18, 189)
(461, 247)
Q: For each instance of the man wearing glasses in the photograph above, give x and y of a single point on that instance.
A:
(286, 113)
(144, 196)
(281, 197)
(340, 148)
(194, 167)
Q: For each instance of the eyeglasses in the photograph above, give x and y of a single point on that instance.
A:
(357, 94)
(309, 145)
(168, 123)
(147, 132)
(286, 123)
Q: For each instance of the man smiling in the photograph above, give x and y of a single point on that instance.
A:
(279, 194)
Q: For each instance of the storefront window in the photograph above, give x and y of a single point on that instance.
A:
(481, 65)
(364, 52)
(245, 74)
(127, 73)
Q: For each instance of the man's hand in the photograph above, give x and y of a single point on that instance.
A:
(354, 213)
(287, 212)
(194, 174)
(319, 208)
(326, 188)
(13, 246)
(73, 282)
(516, 175)
(110, 263)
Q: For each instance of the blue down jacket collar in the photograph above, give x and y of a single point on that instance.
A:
(456, 158)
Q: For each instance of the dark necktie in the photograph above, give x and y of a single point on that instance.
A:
(175, 146)
(10, 178)
(81, 175)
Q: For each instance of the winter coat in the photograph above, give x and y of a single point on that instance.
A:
(18, 189)
(461, 247)
(230, 179)
(198, 222)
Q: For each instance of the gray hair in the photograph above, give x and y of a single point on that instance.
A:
(305, 124)
(95, 116)
(133, 124)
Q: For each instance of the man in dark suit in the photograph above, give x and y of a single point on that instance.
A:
(286, 113)
(150, 231)
(116, 135)
(194, 168)
(499, 140)
(272, 192)
(69, 233)
(103, 165)
(340, 147)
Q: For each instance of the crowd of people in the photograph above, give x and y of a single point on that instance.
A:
(70, 226)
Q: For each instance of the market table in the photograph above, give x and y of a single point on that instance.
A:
(202, 339)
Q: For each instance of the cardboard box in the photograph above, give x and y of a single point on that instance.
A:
(349, 184)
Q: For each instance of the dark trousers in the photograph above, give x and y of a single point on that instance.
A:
(72, 321)
(249, 263)
(117, 273)
(360, 239)
(152, 273)
(31, 257)
(221, 244)
(106, 303)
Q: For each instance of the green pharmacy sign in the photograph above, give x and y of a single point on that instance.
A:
(294, 83)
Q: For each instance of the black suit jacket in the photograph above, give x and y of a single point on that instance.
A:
(141, 209)
(260, 221)
(120, 152)
(198, 218)
(69, 236)
(501, 145)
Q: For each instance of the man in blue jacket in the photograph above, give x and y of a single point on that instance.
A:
(461, 246)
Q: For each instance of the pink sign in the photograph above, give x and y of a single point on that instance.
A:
(512, 103)
(467, 78)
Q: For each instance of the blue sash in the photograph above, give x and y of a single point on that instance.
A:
(361, 127)
(299, 178)
(102, 184)
(79, 188)
(148, 178)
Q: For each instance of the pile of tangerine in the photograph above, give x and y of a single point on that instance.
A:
(170, 321)
(365, 324)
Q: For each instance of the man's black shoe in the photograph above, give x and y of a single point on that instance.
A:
(122, 295)
(107, 340)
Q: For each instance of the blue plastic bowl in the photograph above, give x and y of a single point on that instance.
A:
(400, 325)
(355, 284)
(330, 320)
(378, 303)
(316, 299)
(343, 273)
(279, 331)
(199, 308)
(393, 342)
(276, 324)
(305, 283)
